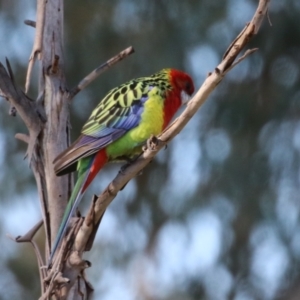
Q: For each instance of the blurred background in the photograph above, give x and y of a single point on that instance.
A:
(216, 214)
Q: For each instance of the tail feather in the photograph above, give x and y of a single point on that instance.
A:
(72, 205)
(87, 170)
(84, 146)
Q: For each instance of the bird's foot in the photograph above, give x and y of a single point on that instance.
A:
(129, 161)
(123, 168)
(151, 143)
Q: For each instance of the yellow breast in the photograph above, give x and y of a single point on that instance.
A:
(152, 120)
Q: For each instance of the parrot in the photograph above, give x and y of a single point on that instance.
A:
(118, 128)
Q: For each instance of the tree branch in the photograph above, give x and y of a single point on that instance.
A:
(99, 70)
(38, 40)
(30, 23)
(28, 238)
(24, 107)
(245, 55)
(72, 267)
(100, 204)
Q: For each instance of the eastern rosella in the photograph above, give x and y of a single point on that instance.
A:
(117, 129)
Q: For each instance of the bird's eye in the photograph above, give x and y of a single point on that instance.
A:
(187, 86)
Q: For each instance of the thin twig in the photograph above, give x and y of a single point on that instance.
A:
(99, 70)
(12, 110)
(245, 55)
(30, 23)
(28, 238)
(10, 71)
(269, 19)
(38, 40)
(22, 137)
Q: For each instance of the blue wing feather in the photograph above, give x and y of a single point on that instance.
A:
(119, 112)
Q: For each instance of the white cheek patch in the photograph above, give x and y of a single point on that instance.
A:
(184, 98)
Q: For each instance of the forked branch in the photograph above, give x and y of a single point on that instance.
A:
(28, 238)
(25, 107)
(99, 205)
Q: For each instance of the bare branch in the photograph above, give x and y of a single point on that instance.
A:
(28, 238)
(39, 174)
(22, 137)
(269, 20)
(12, 110)
(99, 70)
(154, 144)
(30, 23)
(55, 278)
(18, 99)
(240, 59)
(10, 71)
(38, 40)
(24, 107)
(259, 15)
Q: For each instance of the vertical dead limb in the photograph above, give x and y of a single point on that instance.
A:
(46, 120)
(38, 40)
(55, 135)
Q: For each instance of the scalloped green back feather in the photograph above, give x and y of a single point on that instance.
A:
(116, 107)
(119, 100)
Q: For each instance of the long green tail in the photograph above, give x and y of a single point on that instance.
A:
(83, 168)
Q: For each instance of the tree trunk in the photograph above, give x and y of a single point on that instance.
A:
(55, 135)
